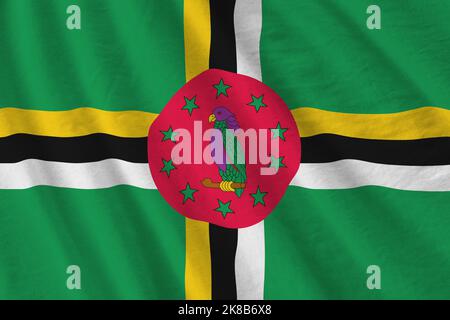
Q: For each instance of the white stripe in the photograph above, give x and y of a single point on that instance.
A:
(247, 26)
(88, 175)
(250, 253)
(249, 264)
(346, 174)
(342, 174)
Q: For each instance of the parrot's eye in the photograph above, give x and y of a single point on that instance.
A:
(220, 112)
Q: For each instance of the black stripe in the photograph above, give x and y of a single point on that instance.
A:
(222, 53)
(316, 149)
(223, 242)
(329, 147)
(94, 147)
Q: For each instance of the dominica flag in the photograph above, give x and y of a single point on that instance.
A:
(239, 149)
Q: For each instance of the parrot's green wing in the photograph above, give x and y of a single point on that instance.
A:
(235, 172)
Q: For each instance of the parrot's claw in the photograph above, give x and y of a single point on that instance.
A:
(226, 186)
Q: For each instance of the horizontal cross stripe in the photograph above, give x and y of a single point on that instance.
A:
(347, 174)
(88, 148)
(316, 149)
(420, 123)
(76, 122)
(327, 148)
(88, 175)
(343, 174)
(425, 122)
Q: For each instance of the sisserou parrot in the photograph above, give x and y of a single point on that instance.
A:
(230, 171)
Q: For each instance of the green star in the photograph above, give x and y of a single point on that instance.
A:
(221, 88)
(279, 132)
(190, 104)
(188, 193)
(224, 208)
(277, 162)
(168, 167)
(257, 102)
(258, 197)
(169, 134)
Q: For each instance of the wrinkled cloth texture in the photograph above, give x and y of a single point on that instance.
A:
(371, 108)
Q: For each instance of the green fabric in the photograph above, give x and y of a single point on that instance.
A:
(128, 54)
(321, 54)
(319, 244)
(128, 242)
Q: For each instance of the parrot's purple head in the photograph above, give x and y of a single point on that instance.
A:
(220, 114)
(223, 114)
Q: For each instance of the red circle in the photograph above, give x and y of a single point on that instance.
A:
(196, 101)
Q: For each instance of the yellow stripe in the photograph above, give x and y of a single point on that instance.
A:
(198, 261)
(426, 122)
(76, 122)
(197, 37)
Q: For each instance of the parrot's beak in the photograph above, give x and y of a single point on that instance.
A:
(212, 118)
